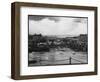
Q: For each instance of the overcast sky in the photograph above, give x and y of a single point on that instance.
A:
(50, 25)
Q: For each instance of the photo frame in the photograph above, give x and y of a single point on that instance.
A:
(53, 40)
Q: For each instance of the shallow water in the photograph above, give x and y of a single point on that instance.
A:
(58, 56)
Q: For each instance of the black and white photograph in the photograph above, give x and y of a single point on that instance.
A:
(57, 40)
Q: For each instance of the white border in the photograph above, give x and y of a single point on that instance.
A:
(25, 70)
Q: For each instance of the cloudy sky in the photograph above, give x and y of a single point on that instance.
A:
(50, 25)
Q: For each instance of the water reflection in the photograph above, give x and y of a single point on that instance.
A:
(55, 56)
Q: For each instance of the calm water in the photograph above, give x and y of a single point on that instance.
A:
(57, 56)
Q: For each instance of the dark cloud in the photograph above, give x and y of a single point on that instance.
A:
(56, 19)
(36, 18)
(39, 18)
(81, 20)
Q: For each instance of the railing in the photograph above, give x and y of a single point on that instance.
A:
(70, 59)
